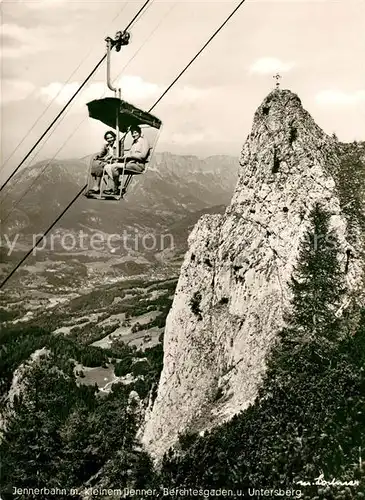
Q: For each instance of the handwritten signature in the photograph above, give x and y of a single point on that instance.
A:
(321, 481)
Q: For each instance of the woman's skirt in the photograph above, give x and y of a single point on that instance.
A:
(97, 168)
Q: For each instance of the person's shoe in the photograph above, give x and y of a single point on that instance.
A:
(91, 193)
(108, 191)
(94, 191)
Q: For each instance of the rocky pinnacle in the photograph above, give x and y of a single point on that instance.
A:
(233, 287)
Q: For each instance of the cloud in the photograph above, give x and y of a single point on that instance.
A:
(19, 41)
(134, 89)
(62, 93)
(15, 90)
(340, 98)
(268, 65)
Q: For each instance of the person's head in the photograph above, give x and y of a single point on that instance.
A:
(136, 132)
(110, 136)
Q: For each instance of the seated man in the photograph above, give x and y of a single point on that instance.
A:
(101, 159)
(135, 159)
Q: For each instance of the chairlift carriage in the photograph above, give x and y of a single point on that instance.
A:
(120, 116)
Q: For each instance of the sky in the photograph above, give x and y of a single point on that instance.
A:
(48, 47)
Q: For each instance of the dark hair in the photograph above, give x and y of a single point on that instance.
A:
(135, 128)
(110, 132)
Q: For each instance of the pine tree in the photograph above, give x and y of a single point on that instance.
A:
(308, 418)
(317, 283)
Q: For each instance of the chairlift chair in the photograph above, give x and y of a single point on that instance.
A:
(116, 113)
(120, 116)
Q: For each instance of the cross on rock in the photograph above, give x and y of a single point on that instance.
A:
(277, 78)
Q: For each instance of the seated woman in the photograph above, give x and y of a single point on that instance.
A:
(108, 152)
(135, 159)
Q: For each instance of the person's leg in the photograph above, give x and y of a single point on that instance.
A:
(113, 170)
(135, 167)
(96, 174)
(108, 170)
(132, 168)
(108, 177)
(97, 182)
(116, 170)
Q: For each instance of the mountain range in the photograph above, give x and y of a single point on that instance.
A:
(168, 199)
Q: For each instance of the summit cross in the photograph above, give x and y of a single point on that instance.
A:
(277, 78)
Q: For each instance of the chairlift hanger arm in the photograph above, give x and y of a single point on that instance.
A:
(121, 39)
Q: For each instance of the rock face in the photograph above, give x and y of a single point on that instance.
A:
(18, 386)
(232, 292)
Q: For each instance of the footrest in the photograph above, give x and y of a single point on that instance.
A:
(102, 196)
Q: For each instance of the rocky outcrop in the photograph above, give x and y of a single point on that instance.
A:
(233, 288)
(19, 386)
